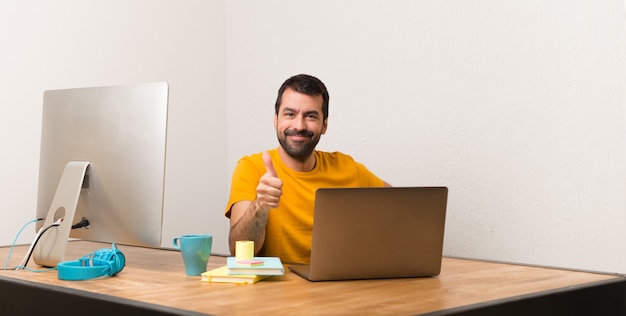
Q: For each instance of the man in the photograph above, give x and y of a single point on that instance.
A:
(272, 193)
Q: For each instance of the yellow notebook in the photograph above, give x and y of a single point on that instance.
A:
(220, 275)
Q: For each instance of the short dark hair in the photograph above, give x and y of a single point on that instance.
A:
(308, 85)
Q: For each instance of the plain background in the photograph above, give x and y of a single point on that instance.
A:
(516, 106)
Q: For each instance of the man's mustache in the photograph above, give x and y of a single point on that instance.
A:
(293, 132)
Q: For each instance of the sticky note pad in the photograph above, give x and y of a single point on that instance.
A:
(250, 263)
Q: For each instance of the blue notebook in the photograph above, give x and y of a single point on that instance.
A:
(270, 266)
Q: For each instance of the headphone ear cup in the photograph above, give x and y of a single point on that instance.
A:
(121, 259)
(115, 257)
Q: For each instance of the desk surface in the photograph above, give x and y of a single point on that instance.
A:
(157, 276)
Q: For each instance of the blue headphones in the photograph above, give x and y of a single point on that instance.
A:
(102, 262)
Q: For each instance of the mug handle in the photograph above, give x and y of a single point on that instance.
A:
(175, 243)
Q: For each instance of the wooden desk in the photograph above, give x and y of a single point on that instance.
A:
(154, 282)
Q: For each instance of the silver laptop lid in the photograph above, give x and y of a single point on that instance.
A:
(366, 233)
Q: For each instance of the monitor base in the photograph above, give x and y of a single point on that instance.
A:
(50, 249)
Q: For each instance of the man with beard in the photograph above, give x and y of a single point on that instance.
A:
(273, 192)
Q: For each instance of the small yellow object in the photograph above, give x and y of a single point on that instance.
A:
(244, 250)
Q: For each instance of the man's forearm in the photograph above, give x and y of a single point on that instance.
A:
(251, 226)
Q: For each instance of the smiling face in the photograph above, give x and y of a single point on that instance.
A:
(299, 124)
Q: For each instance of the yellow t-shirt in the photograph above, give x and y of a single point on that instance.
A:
(289, 227)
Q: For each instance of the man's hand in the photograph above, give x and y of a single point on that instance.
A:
(269, 190)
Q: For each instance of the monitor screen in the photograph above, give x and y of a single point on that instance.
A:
(102, 159)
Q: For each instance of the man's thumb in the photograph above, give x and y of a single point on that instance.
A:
(269, 166)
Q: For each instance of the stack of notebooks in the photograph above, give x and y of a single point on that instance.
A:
(246, 271)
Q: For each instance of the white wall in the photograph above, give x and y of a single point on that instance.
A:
(516, 106)
(73, 43)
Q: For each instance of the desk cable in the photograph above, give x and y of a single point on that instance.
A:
(24, 262)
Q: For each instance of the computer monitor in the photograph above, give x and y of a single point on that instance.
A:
(102, 159)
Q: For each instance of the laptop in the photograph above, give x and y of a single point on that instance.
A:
(376, 233)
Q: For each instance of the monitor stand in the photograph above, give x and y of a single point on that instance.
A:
(50, 248)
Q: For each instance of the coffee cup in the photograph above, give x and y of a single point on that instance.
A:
(196, 249)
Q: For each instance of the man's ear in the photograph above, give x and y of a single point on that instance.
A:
(324, 126)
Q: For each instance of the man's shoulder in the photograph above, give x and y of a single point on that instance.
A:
(250, 162)
(256, 159)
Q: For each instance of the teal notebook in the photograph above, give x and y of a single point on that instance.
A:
(269, 266)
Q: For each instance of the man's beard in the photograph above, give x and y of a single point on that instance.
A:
(299, 150)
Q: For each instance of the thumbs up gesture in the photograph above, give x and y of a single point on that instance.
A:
(269, 190)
